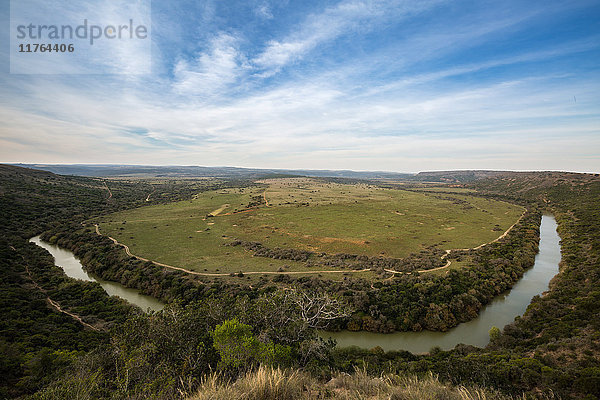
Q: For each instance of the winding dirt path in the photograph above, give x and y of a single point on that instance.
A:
(57, 306)
(54, 304)
(107, 188)
(504, 234)
(448, 263)
(265, 197)
(187, 271)
(150, 194)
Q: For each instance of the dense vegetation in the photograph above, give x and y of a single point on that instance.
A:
(562, 329)
(167, 354)
(426, 259)
(37, 342)
(552, 350)
(554, 347)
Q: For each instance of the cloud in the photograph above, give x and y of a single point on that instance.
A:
(121, 54)
(434, 95)
(210, 71)
(263, 10)
(311, 125)
(329, 25)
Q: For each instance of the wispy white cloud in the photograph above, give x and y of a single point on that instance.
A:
(310, 125)
(327, 26)
(212, 70)
(102, 55)
(400, 107)
(263, 10)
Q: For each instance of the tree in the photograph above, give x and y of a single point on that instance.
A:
(236, 344)
(290, 316)
(239, 349)
(494, 333)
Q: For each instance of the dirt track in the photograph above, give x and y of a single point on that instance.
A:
(150, 194)
(54, 304)
(451, 250)
(115, 241)
(107, 188)
(187, 271)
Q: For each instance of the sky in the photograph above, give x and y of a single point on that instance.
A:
(403, 86)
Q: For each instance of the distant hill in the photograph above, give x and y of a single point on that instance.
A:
(109, 170)
(456, 176)
(198, 171)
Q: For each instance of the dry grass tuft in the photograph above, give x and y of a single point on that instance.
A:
(267, 383)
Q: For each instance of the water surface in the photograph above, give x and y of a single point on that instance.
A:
(73, 268)
(499, 312)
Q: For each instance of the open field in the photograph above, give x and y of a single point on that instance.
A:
(445, 189)
(305, 214)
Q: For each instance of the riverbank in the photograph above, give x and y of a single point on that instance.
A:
(73, 268)
(500, 312)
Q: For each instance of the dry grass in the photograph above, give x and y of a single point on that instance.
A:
(265, 384)
(276, 384)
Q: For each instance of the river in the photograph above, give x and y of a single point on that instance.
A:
(73, 268)
(499, 312)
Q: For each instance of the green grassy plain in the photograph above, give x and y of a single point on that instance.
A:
(305, 214)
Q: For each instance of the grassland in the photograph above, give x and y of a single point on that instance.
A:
(305, 214)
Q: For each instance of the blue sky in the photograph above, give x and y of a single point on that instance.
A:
(400, 86)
